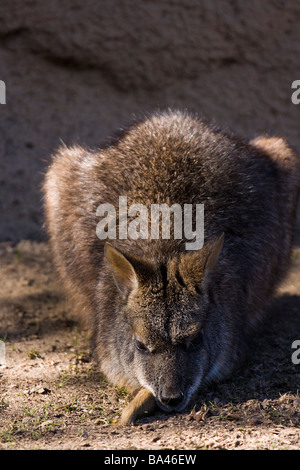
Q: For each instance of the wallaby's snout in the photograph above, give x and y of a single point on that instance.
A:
(171, 399)
(171, 389)
(173, 374)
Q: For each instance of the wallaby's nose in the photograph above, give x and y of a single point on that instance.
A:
(171, 401)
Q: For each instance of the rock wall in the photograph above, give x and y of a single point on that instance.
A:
(75, 71)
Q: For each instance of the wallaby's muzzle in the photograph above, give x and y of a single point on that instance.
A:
(171, 398)
(171, 403)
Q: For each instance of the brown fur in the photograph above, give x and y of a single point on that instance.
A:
(165, 320)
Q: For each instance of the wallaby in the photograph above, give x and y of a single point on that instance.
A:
(166, 319)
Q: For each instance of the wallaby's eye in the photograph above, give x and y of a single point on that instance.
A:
(141, 347)
(196, 342)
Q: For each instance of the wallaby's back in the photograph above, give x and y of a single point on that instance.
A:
(248, 191)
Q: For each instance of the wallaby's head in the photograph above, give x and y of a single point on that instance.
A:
(166, 340)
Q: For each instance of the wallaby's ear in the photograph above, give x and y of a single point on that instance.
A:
(193, 268)
(270, 144)
(123, 271)
(213, 253)
(276, 147)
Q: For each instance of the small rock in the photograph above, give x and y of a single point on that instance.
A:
(255, 420)
(43, 390)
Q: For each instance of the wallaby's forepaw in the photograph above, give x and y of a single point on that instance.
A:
(143, 402)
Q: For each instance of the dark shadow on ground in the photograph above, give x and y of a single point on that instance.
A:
(37, 314)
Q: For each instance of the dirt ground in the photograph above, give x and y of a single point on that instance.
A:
(53, 397)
